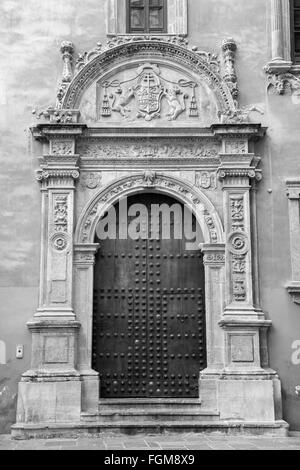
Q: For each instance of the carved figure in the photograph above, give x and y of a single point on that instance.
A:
(176, 107)
(120, 105)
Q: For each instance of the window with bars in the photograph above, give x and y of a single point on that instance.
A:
(147, 16)
(295, 29)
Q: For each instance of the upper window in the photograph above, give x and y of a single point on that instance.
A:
(295, 29)
(147, 16)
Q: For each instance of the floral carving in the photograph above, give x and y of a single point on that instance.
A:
(59, 241)
(61, 213)
(149, 178)
(237, 211)
(238, 264)
(282, 83)
(239, 289)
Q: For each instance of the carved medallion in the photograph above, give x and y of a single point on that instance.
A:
(59, 241)
(92, 180)
(206, 180)
(238, 243)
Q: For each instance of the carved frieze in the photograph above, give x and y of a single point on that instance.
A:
(214, 258)
(62, 147)
(159, 148)
(57, 116)
(236, 146)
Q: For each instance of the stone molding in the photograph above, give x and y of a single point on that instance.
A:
(183, 190)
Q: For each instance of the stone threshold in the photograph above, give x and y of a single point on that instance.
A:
(74, 430)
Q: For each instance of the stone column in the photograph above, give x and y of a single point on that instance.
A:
(280, 31)
(242, 385)
(83, 302)
(277, 30)
(51, 390)
(214, 263)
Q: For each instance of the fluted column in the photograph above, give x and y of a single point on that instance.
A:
(277, 30)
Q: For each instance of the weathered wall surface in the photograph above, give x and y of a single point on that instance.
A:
(31, 33)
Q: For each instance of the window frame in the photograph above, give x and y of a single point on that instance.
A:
(147, 29)
(295, 56)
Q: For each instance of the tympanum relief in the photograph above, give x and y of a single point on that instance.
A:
(149, 92)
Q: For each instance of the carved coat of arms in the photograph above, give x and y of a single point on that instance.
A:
(148, 89)
(148, 92)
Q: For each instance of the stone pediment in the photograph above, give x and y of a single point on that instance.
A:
(148, 79)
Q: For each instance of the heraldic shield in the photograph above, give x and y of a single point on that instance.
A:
(148, 91)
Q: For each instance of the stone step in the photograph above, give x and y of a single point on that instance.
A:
(151, 404)
(163, 415)
(59, 430)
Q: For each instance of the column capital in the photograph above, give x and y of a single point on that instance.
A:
(84, 254)
(293, 188)
(214, 254)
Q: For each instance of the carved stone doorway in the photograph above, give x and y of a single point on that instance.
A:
(149, 319)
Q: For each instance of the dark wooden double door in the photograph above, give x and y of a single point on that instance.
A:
(149, 320)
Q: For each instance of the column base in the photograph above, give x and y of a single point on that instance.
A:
(49, 397)
(89, 391)
(242, 396)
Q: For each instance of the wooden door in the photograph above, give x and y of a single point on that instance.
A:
(149, 320)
